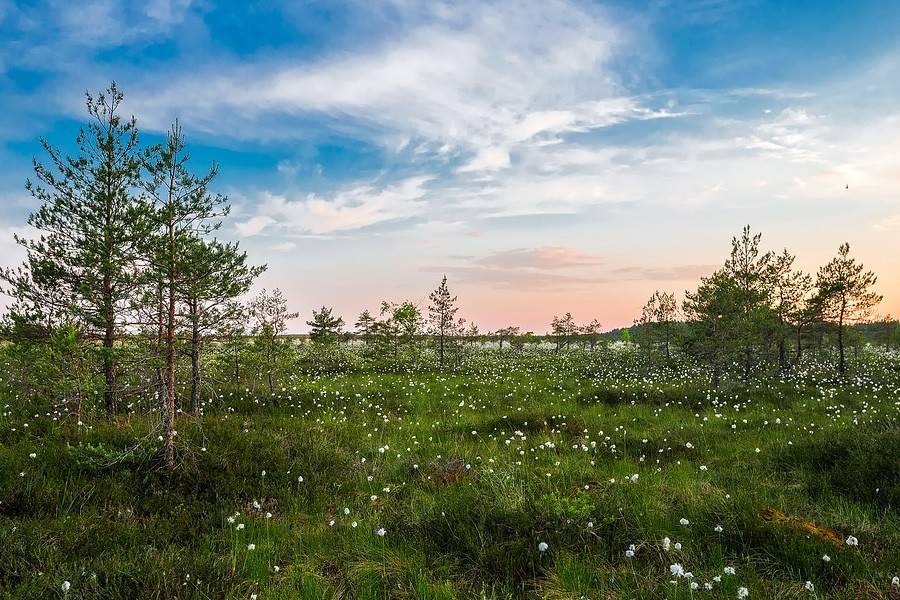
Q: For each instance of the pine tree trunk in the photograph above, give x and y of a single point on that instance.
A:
(747, 363)
(109, 373)
(195, 361)
(271, 365)
(842, 364)
(782, 356)
(170, 350)
(160, 337)
(170, 379)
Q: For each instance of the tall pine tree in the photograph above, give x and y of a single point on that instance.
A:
(92, 222)
(845, 296)
(441, 315)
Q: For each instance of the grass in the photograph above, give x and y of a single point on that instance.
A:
(467, 472)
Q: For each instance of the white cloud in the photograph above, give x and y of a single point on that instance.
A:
(254, 225)
(284, 247)
(488, 159)
(347, 209)
(888, 223)
(480, 78)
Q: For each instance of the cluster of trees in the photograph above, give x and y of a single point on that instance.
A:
(564, 331)
(126, 246)
(757, 312)
(656, 325)
(402, 326)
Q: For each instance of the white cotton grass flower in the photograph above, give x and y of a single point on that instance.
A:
(666, 544)
(684, 522)
(809, 586)
(542, 547)
(743, 592)
(852, 541)
(728, 570)
(826, 558)
(251, 546)
(381, 532)
(66, 586)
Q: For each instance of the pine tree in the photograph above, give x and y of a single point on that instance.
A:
(654, 327)
(217, 276)
(92, 221)
(591, 331)
(506, 333)
(845, 296)
(270, 314)
(386, 330)
(325, 328)
(563, 329)
(183, 211)
(441, 314)
(748, 268)
(713, 330)
(364, 324)
(409, 322)
(788, 292)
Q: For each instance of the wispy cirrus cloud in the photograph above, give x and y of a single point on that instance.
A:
(553, 268)
(548, 258)
(74, 30)
(888, 223)
(674, 273)
(471, 81)
(350, 208)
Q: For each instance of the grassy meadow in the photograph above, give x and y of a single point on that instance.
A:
(526, 475)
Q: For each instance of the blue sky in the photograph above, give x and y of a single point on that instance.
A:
(548, 156)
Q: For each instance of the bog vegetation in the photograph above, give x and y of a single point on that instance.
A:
(163, 437)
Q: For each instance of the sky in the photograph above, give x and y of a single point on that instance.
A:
(547, 156)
